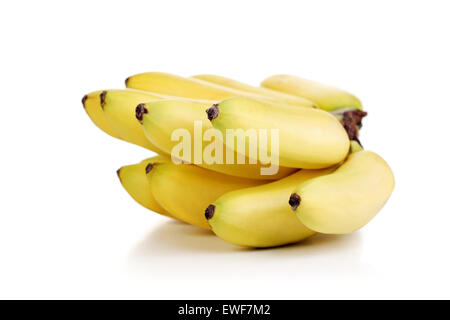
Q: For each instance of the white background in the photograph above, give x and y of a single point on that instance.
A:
(69, 230)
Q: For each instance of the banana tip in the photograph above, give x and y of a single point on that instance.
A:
(83, 100)
(213, 112)
(294, 201)
(209, 212)
(126, 81)
(140, 111)
(118, 172)
(149, 168)
(103, 98)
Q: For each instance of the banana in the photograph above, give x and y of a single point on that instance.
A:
(347, 199)
(259, 216)
(160, 119)
(233, 84)
(325, 97)
(92, 106)
(119, 111)
(348, 116)
(135, 181)
(308, 138)
(172, 85)
(185, 190)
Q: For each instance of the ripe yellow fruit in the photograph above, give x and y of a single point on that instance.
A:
(325, 97)
(135, 181)
(185, 190)
(169, 84)
(280, 96)
(119, 111)
(259, 216)
(308, 138)
(92, 106)
(160, 120)
(346, 199)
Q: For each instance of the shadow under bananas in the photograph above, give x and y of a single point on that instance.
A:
(174, 244)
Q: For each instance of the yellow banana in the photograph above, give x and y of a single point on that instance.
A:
(119, 111)
(346, 199)
(308, 138)
(135, 181)
(173, 85)
(280, 96)
(185, 190)
(169, 84)
(114, 112)
(92, 106)
(160, 119)
(325, 97)
(259, 216)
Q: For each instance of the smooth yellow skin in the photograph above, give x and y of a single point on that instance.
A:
(230, 83)
(135, 181)
(117, 117)
(308, 138)
(169, 84)
(260, 216)
(91, 104)
(325, 97)
(119, 109)
(347, 199)
(164, 117)
(185, 190)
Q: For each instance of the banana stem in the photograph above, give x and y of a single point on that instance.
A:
(351, 119)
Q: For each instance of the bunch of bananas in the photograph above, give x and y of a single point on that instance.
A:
(324, 183)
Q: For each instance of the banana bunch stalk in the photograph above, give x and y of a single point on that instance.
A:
(294, 168)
